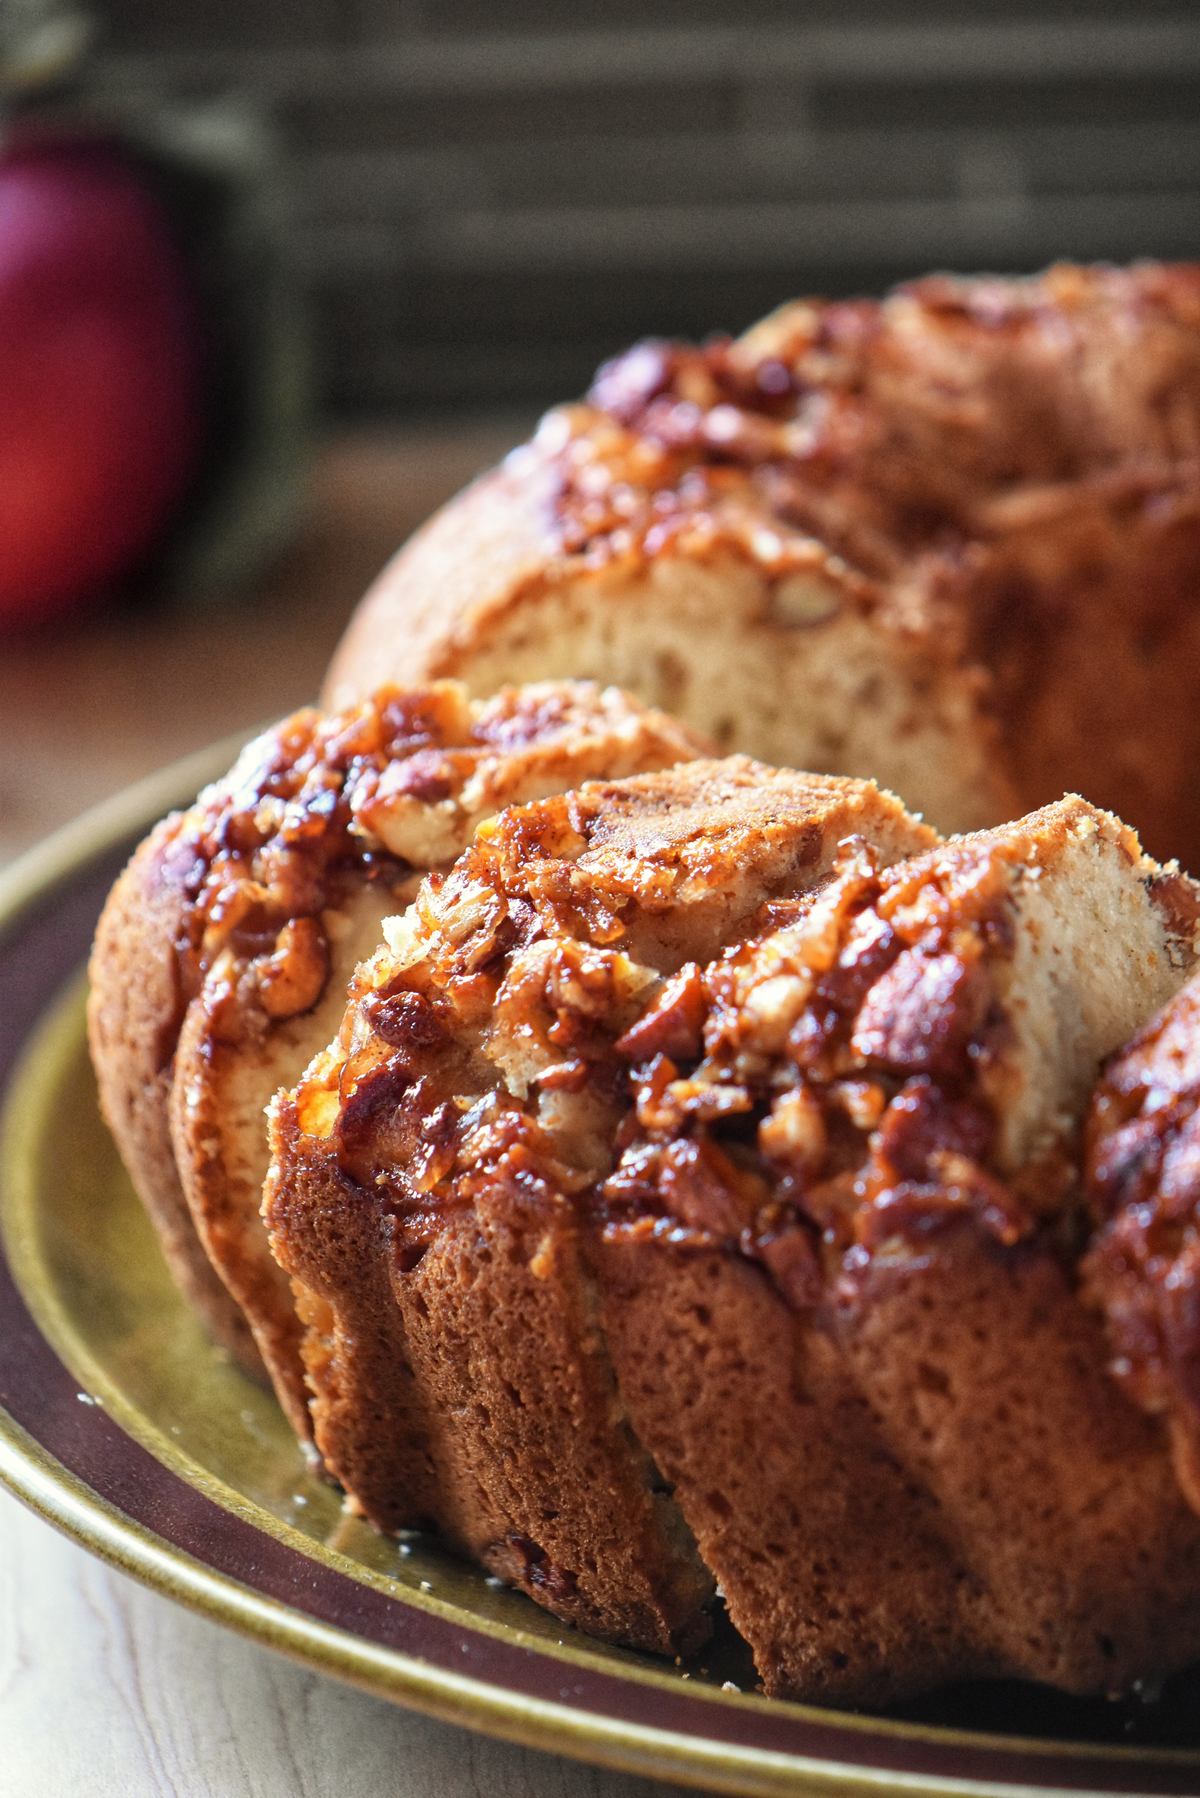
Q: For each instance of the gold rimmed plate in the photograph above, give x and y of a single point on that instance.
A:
(120, 1424)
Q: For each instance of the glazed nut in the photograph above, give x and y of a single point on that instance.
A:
(460, 909)
(695, 385)
(671, 1024)
(292, 979)
(466, 910)
(579, 984)
(772, 1007)
(227, 908)
(316, 1110)
(794, 1130)
(863, 1101)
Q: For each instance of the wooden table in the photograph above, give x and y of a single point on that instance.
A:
(106, 1689)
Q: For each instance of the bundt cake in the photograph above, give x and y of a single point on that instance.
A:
(950, 542)
(691, 1197)
(718, 1181)
(221, 961)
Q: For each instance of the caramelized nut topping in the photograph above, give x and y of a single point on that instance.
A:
(881, 428)
(322, 803)
(836, 1093)
(811, 1097)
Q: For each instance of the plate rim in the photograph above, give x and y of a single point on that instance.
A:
(35, 1476)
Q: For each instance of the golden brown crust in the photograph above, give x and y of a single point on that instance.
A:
(135, 1006)
(338, 1250)
(990, 1374)
(422, 1423)
(835, 1568)
(983, 494)
(485, 553)
(222, 959)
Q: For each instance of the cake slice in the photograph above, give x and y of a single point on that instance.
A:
(876, 1108)
(694, 1185)
(430, 1186)
(223, 956)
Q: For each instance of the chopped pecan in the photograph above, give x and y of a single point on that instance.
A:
(905, 1213)
(923, 1121)
(794, 1130)
(770, 1009)
(1124, 1163)
(960, 1188)
(292, 979)
(920, 1014)
(672, 1024)
(1143, 1268)
(366, 1093)
(625, 386)
(436, 1148)
(831, 1204)
(704, 1188)
(871, 946)
(405, 1021)
(563, 1077)
(862, 1102)
(666, 1103)
(427, 775)
(655, 1111)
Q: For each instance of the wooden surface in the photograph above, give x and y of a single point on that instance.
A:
(106, 1689)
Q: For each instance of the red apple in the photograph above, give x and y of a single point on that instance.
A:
(101, 374)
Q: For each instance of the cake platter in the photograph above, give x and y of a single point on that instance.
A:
(123, 1427)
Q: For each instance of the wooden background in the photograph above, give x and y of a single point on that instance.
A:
(489, 198)
(109, 1691)
(106, 1690)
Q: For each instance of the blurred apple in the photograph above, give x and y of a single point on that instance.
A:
(101, 374)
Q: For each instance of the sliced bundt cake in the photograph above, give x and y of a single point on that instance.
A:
(429, 1194)
(950, 541)
(693, 1185)
(222, 958)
